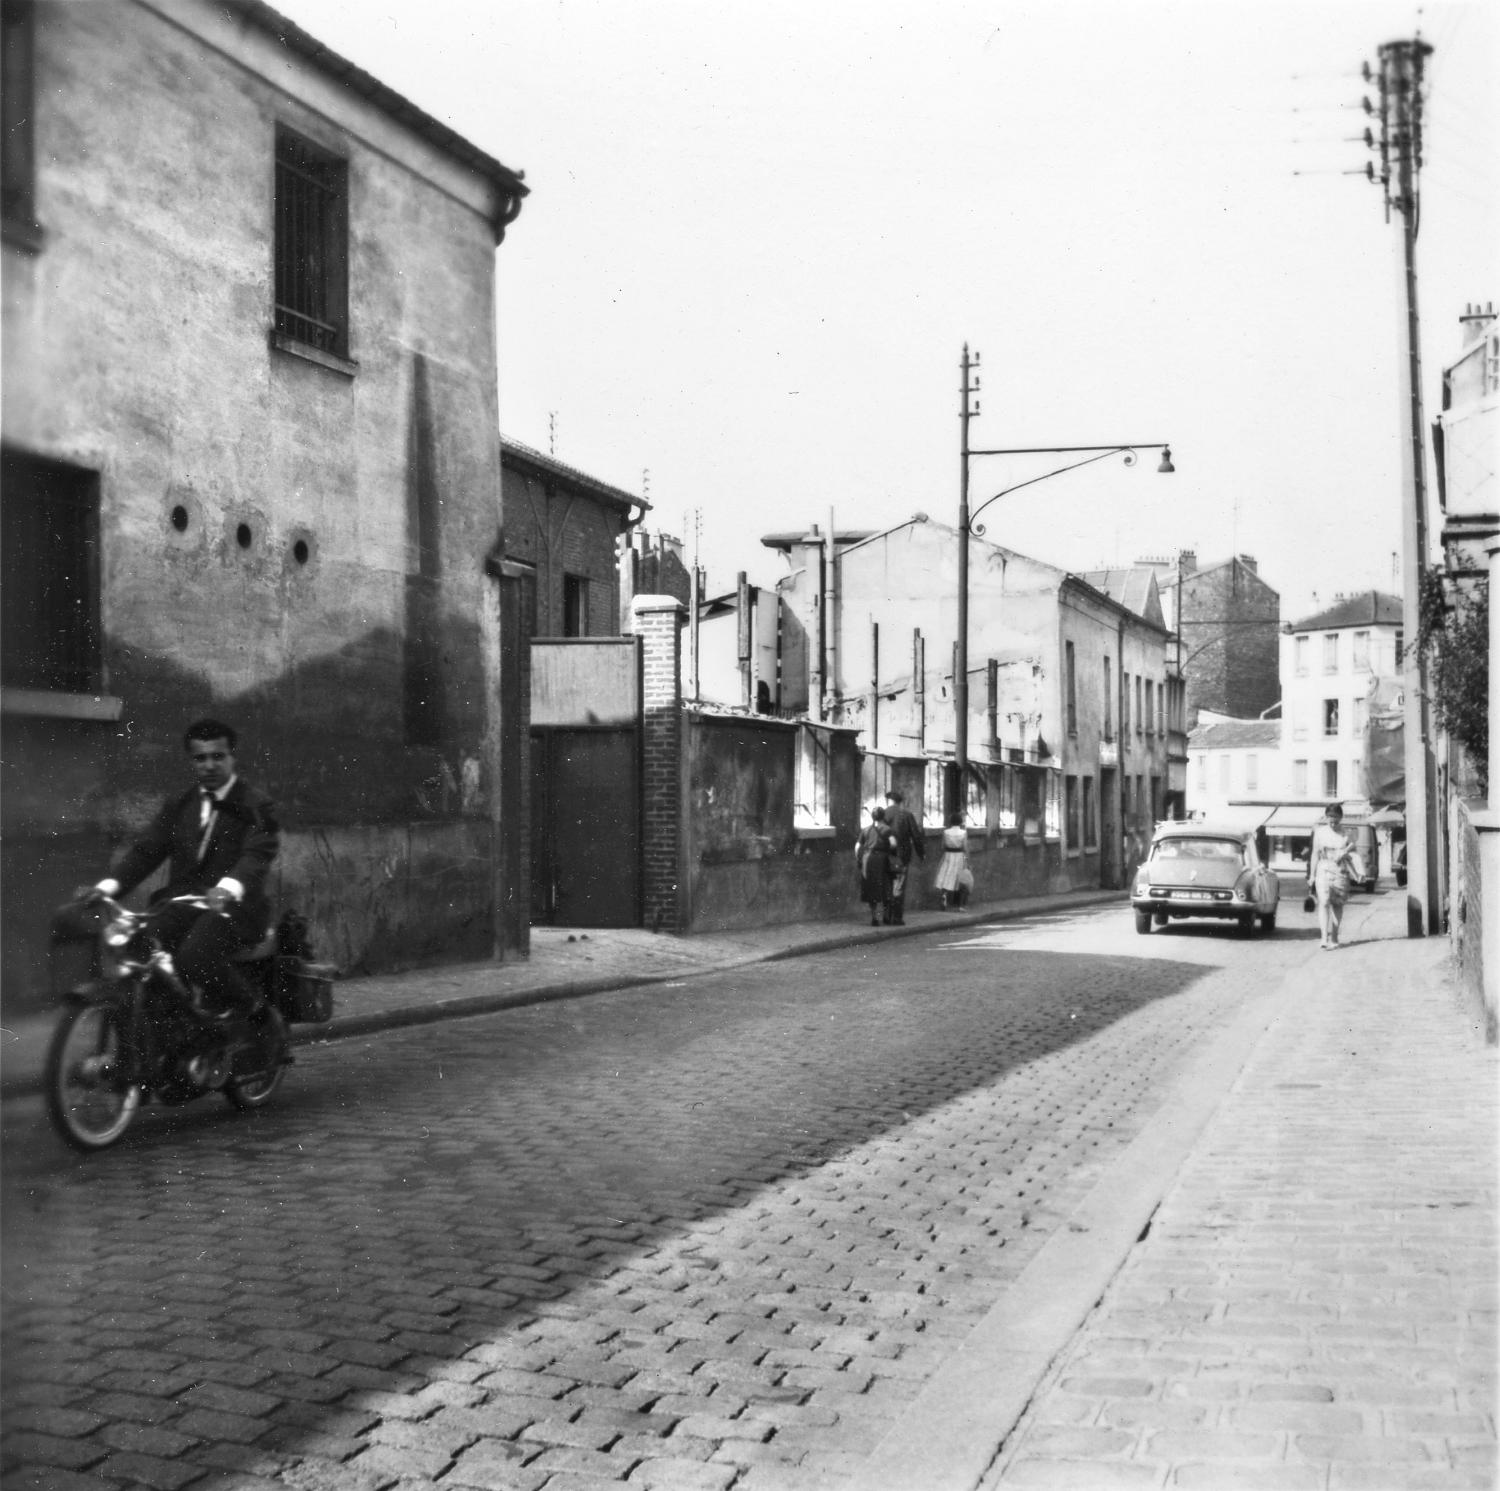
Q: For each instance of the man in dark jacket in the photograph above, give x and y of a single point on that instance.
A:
(909, 844)
(219, 839)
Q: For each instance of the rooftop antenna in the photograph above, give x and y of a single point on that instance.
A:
(552, 432)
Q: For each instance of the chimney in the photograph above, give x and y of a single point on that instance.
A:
(1187, 561)
(1249, 561)
(1476, 322)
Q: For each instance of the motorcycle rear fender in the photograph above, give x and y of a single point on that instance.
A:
(97, 991)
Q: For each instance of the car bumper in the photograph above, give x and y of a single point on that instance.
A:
(1224, 905)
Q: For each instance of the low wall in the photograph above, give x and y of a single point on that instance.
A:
(377, 898)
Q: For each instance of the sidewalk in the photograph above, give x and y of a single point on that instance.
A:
(1312, 1303)
(563, 965)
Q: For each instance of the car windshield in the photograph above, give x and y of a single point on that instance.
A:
(1216, 849)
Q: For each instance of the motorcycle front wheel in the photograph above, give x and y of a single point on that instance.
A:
(259, 1069)
(89, 1094)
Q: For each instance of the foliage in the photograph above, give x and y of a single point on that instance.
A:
(1455, 631)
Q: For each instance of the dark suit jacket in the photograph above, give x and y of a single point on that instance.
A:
(902, 822)
(242, 845)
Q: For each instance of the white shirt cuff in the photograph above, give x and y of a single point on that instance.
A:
(108, 887)
(233, 886)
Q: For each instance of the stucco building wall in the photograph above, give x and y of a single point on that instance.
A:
(297, 545)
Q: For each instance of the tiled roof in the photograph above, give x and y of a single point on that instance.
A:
(1367, 608)
(513, 452)
(1228, 735)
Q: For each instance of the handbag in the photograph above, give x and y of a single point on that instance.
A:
(966, 878)
(1309, 902)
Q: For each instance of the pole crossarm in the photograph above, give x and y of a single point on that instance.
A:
(1100, 453)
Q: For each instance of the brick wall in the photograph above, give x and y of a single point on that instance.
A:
(658, 621)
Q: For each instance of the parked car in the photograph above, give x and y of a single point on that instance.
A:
(1198, 869)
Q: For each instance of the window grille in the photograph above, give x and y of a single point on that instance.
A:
(311, 245)
(976, 798)
(932, 793)
(813, 772)
(1008, 821)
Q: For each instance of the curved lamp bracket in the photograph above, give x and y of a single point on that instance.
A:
(1100, 453)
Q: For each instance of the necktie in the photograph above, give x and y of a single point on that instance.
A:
(206, 822)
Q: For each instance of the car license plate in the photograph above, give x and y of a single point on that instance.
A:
(1193, 895)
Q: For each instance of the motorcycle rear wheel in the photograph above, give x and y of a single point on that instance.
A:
(88, 1096)
(263, 1064)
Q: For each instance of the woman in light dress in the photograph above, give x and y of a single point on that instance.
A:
(1329, 868)
(951, 877)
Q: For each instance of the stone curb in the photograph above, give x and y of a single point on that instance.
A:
(465, 1006)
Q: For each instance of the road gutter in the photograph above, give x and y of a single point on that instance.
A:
(952, 1433)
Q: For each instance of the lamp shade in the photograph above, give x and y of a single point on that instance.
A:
(1166, 460)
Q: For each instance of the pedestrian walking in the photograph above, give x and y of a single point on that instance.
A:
(953, 876)
(909, 845)
(876, 858)
(1329, 867)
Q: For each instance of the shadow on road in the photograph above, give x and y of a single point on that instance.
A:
(539, 1209)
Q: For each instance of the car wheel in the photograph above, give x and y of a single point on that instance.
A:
(1143, 922)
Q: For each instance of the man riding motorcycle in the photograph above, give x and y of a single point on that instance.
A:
(220, 838)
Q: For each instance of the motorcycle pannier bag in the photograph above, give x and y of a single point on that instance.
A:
(304, 991)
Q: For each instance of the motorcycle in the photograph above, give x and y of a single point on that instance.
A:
(137, 1030)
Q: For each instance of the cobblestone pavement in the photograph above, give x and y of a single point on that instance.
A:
(1314, 1306)
(711, 1235)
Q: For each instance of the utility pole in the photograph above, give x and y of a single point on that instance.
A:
(968, 407)
(1399, 82)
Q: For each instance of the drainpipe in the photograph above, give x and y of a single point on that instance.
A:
(831, 609)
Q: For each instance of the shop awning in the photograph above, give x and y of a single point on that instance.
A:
(1243, 816)
(1295, 817)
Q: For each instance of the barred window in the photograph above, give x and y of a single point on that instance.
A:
(312, 245)
(813, 772)
(49, 575)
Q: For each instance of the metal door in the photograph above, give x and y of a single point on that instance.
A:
(586, 828)
(586, 782)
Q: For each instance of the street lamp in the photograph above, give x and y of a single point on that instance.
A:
(968, 524)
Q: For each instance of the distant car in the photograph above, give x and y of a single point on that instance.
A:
(1198, 869)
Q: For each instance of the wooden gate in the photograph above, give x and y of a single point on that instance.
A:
(586, 782)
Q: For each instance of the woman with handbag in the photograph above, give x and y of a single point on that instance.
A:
(1328, 871)
(953, 870)
(876, 857)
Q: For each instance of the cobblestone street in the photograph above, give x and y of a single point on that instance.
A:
(715, 1234)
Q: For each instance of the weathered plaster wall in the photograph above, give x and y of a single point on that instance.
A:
(749, 866)
(293, 548)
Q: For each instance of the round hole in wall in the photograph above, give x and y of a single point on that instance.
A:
(300, 551)
(243, 536)
(180, 518)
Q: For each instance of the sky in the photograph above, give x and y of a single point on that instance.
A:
(760, 235)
